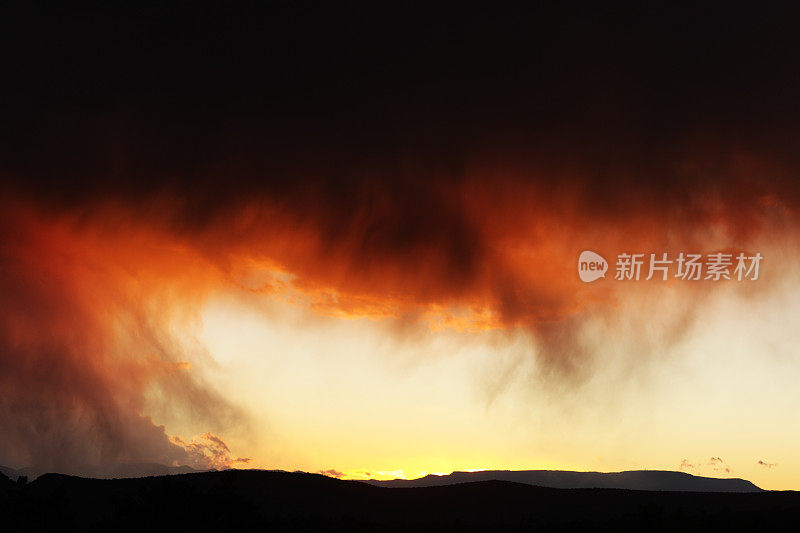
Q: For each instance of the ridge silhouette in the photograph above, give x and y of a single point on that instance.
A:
(110, 471)
(235, 500)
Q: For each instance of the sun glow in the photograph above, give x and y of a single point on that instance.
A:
(449, 399)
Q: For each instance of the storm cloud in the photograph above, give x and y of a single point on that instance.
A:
(389, 167)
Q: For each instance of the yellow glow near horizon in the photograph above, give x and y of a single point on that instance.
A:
(349, 395)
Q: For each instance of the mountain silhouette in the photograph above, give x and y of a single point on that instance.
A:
(659, 480)
(247, 500)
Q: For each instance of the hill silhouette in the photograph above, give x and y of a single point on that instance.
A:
(110, 471)
(248, 500)
(560, 479)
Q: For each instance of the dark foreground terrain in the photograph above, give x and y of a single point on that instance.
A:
(282, 501)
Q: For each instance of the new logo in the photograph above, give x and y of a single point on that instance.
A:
(591, 266)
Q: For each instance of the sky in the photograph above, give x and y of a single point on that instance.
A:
(343, 240)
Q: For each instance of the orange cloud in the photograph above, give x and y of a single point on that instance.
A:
(207, 452)
(86, 344)
(332, 472)
(92, 284)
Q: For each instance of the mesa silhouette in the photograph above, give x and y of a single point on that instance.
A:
(661, 480)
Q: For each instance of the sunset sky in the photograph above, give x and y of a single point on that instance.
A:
(333, 239)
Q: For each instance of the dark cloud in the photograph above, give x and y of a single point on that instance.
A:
(767, 465)
(718, 465)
